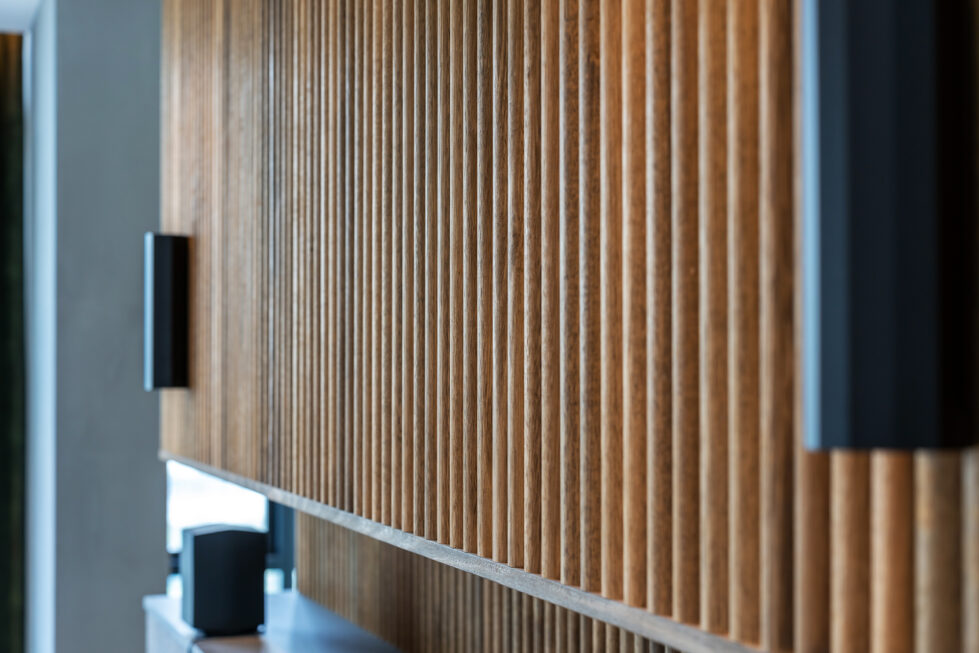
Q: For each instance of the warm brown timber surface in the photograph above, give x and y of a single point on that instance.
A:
(519, 280)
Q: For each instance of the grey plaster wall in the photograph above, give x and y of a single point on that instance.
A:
(109, 488)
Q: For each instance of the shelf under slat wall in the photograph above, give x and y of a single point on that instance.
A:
(520, 278)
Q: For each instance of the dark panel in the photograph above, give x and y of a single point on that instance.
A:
(165, 311)
(889, 220)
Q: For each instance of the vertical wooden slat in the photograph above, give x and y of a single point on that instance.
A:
(418, 238)
(568, 234)
(713, 313)
(891, 552)
(443, 393)
(408, 243)
(431, 260)
(634, 295)
(455, 274)
(938, 551)
(550, 387)
(499, 391)
(514, 277)
(385, 307)
(399, 280)
(611, 289)
(371, 257)
(470, 260)
(485, 284)
(532, 285)
(686, 535)
(850, 551)
(589, 279)
(970, 548)
(776, 382)
(659, 370)
(742, 390)
(812, 550)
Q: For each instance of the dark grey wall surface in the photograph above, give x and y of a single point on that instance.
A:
(111, 489)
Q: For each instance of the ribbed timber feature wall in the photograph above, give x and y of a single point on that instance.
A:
(520, 278)
(420, 605)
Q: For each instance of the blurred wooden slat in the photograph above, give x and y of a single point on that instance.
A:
(514, 282)
(499, 309)
(713, 314)
(776, 352)
(659, 274)
(634, 296)
(568, 235)
(686, 475)
(589, 253)
(471, 485)
(743, 425)
(891, 552)
(550, 326)
(850, 552)
(938, 624)
(532, 285)
(611, 288)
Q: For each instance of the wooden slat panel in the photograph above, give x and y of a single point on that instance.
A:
(589, 254)
(742, 190)
(713, 314)
(659, 275)
(938, 612)
(550, 326)
(611, 288)
(568, 235)
(521, 278)
(776, 382)
(891, 553)
(850, 552)
(686, 535)
(634, 296)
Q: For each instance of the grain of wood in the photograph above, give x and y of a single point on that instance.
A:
(713, 314)
(550, 310)
(742, 392)
(398, 276)
(442, 253)
(532, 282)
(610, 293)
(485, 286)
(418, 238)
(812, 551)
(938, 605)
(456, 273)
(385, 306)
(589, 256)
(686, 533)
(970, 548)
(634, 296)
(500, 483)
(776, 382)
(850, 552)
(659, 339)
(568, 235)
(891, 551)
(515, 280)
(470, 298)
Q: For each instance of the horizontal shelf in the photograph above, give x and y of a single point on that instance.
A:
(657, 628)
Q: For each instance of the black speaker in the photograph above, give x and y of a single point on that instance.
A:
(223, 572)
(165, 311)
